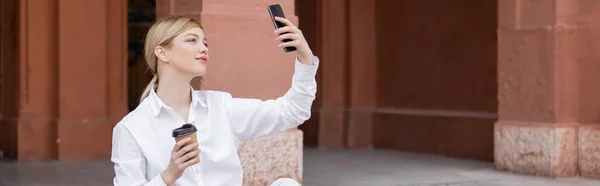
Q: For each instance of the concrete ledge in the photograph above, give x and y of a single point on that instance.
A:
(266, 159)
(536, 148)
(589, 151)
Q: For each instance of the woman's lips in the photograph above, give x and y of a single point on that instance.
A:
(203, 59)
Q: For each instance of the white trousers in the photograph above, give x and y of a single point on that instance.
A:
(285, 182)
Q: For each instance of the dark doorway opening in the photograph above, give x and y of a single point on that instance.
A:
(8, 78)
(140, 16)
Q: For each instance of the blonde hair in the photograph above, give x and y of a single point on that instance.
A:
(161, 34)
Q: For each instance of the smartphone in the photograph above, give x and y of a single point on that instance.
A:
(276, 11)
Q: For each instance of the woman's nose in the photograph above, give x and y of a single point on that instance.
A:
(203, 49)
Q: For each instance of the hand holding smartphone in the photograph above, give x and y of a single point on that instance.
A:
(275, 10)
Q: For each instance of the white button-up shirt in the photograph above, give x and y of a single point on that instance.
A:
(142, 141)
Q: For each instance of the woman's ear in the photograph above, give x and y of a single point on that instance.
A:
(160, 52)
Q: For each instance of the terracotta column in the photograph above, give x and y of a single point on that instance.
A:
(348, 90)
(548, 93)
(334, 88)
(67, 88)
(91, 82)
(246, 62)
(32, 106)
(363, 66)
(585, 67)
(306, 10)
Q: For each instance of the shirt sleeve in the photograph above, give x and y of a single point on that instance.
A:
(254, 118)
(129, 162)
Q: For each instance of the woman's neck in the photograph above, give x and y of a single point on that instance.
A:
(174, 93)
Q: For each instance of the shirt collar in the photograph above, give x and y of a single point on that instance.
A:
(156, 104)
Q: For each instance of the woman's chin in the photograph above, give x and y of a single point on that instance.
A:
(199, 73)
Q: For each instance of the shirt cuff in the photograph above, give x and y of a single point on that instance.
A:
(158, 181)
(304, 71)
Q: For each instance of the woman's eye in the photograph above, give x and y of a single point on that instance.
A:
(206, 45)
(192, 40)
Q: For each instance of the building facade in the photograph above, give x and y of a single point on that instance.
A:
(484, 80)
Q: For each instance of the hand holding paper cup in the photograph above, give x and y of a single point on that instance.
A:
(184, 154)
(186, 131)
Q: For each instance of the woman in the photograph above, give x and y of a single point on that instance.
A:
(143, 150)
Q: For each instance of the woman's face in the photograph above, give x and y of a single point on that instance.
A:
(188, 52)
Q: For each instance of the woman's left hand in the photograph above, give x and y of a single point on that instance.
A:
(305, 55)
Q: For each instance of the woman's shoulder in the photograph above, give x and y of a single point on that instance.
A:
(138, 115)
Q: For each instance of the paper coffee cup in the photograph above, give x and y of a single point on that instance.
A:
(186, 131)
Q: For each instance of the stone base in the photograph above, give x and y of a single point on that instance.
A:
(266, 159)
(589, 151)
(536, 149)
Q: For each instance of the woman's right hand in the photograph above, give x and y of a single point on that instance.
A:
(180, 160)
